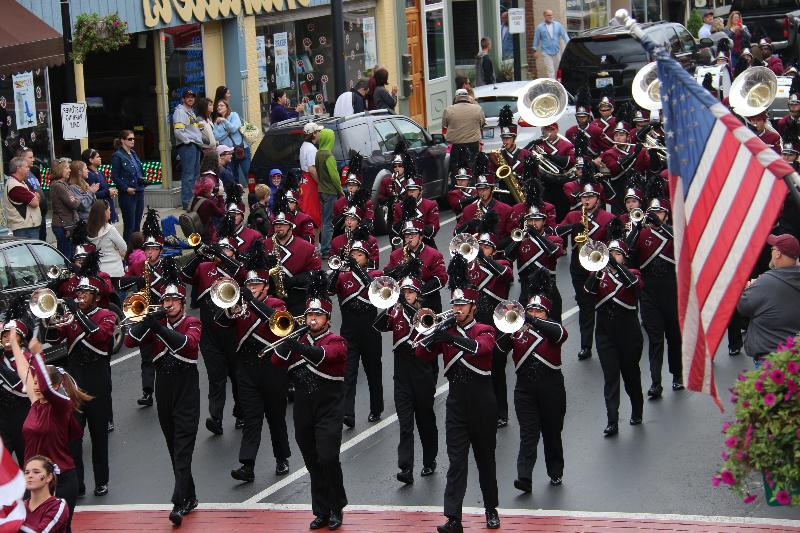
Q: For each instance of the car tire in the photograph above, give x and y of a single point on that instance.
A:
(119, 334)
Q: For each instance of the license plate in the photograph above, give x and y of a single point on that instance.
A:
(603, 82)
(487, 133)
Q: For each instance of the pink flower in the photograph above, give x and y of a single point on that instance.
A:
(715, 480)
(727, 477)
(777, 376)
(748, 436)
(759, 386)
(787, 396)
(734, 398)
(769, 399)
(724, 455)
(725, 426)
(783, 498)
(745, 404)
(742, 377)
(798, 433)
(741, 455)
(793, 367)
(731, 442)
(792, 385)
(750, 498)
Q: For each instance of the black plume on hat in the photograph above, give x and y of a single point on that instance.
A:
(409, 164)
(481, 167)
(152, 224)
(409, 208)
(584, 97)
(794, 88)
(626, 112)
(488, 222)
(412, 267)
(457, 272)
(654, 188)
(227, 226)
(790, 132)
(461, 157)
(318, 285)
(540, 282)
(636, 181)
(80, 234)
(505, 118)
(362, 231)
(532, 185)
(359, 199)
(257, 258)
(90, 266)
(354, 165)
(615, 230)
(19, 310)
(170, 271)
(607, 92)
(279, 202)
(233, 194)
(587, 178)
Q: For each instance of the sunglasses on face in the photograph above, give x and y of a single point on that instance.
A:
(130, 139)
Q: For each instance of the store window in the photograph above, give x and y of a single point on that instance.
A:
(586, 14)
(434, 26)
(646, 10)
(184, 51)
(24, 120)
(466, 37)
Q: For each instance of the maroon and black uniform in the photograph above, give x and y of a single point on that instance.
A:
(342, 203)
(540, 398)
(470, 214)
(572, 136)
(537, 250)
(175, 347)
(303, 225)
(518, 212)
(771, 138)
(391, 191)
(427, 212)
(788, 122)
(433, 273)
(598, 222)
(457, 199)
(66, 289)
(156, 287)
(88, 338)
(14, 406)
(601, 132)
(513, 158)
(618, 160)
(317, 369)
(619, 337)
(298, 258)
(245, 237)
(363, 343)
(471, 410)
(562, 153)
(52, 516)
(414, 387)
(339, 242)
(652, 246)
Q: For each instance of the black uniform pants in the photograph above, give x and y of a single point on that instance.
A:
(364, 344)
(414, 388)
(148, 371)
(178, 404)
(318, 413)
(262, 393)
(619, 345)
(499, 382)
(470, 420)
(67, 489)
(659, 305)
(217, 347)
(585, 303)
(540, 400)
(95, 380)
(12, 415)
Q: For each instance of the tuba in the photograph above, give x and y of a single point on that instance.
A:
(426, 322)
(753, 91)
(594, 256)
(384, 292)
(464, 244)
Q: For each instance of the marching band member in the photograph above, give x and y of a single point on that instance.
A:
(262, 384)
(583, 167)
(772, 62)
(484, 185)
(13, 398)
(641, 125)
(651, 243)
(633, 199)
(540, 398)
(579, 134)
(789, 125)
(512, 155)
(433, 273)
(620, 160)
(88, 338)
(466, 348)
(218, 352)
(355, 229)
(242, 236)
(789, 154)
(415, 206)
(769, 136)
(303, 224)
(532, 186)
(354, 195)
(461, 194)
(316, 364)
(619, 336)
(572, 225)
(64, 286)
(351, 284)
(175, 337)
(414, 379)
(559, 151)
(392, 187)
(600, 130)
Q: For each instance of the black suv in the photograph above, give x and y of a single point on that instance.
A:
(610, 56)
(374, 134)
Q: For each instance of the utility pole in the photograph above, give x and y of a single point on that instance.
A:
(337, 20)
(69, 71)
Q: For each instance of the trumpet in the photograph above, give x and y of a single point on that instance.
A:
(517, 234)
(384, 292)
(426, 323)
(336, 262)
(45, 304)
(57, 272)
(136, 307)
(509, 316)
(594, 256)
(196, 242)
(225, 294)
(636, 215)
(466, 245)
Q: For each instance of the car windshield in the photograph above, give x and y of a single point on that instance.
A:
(492, 105)
(617, 49)
(283, 147)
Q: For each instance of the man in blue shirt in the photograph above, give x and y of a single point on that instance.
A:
(547, 43)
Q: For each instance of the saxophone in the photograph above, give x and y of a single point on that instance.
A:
(581, 238)
(276, 272)
(504, 172)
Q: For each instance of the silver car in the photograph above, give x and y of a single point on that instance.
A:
(492, 98)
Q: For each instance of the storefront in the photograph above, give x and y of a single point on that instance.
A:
(586, 14)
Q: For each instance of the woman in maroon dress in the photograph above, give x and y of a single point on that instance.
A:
(45, 512)
(54, 396)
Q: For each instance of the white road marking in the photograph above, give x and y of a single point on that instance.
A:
(723, 520)
(124, 357)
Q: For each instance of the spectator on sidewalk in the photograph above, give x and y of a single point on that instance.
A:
(309, 188)
(547, 43)
(278, 111)
(382, 98)
(461, 124)
(189, 144)
(463, 82)
(738, 34)
(64, 207)
(205, 114)
(330, 187)
(484, 68)
(226, 131)
(135, 256)
(225, 155)
(78, 186)
(705, 29)
(23, 216)
(506, 37)
(106, 239)
(770, 301)
(209, 205)
(93, 161)
(275, 181)
(353, 101)
(127, 173)
(34, 181)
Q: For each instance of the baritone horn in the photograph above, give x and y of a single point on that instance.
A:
(509, 316)
(384, 292)
(593, 256)
(753, 91)
(542, 102)
(636, 215)
(225, 293)
(466, 245)
(646, 89)
(44, 304)
(517, 234)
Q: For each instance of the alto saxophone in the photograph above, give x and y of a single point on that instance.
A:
(581, 238)
(504, 172)
(276, 272)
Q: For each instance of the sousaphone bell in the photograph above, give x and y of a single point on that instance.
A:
(646, 89)
(753, 91)
(542, 102)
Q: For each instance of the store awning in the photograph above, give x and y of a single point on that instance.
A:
(26, 42)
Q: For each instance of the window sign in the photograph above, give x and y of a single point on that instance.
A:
(282, 78)
(24, 100)
(516, 20)
(370, 53)
(73, 121)
(261, 61)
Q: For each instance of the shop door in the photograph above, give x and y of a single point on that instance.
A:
(416, 102)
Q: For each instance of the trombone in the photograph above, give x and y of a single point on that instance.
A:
(282, 324)
(44, 304)
(136, 307)
(426, 322)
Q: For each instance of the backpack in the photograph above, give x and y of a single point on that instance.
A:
(190, 221)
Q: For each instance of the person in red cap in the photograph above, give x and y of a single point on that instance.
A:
(621, 160)
(316, 360)
(615, 290)
(356, 229)
(175, 337)
(462, 194)
(350, 283)
(601, 129)
(590, 193)
(758, 123)
(466, 347)
(474, 212)
(414, 379)
(13, 398)
(770, 300)
(415, 206)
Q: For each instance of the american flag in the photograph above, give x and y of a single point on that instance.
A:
(12, 486)
(726, 190)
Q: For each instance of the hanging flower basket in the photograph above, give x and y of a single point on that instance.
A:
(764, 436)
(94, 33)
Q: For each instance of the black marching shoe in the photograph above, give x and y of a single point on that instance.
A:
(319, 522)
(349, 421)
(373, 417)
(492, 519)
(611, 430)
(189, 506)
(146, 400)
(239, 423)
(405, 476)
(734, 351)
(502, 422)
(176, 516)
(214, 425)
(585, 353)
(428, 470)
(452, 525)
(101, 490)
(81, 490)
(677, 385)
(654, 392)
(525, 485)
(110, 426)
(281, 467)
(244, 473)
(636, 420)
(290, 393)
(335, 521)
(556, 481)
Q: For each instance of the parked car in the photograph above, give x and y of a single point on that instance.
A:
(610, 56)
(492, 98)
(374, 134)
(23, 269)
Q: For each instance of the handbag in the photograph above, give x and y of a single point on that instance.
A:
(251, 133)
(238, 152)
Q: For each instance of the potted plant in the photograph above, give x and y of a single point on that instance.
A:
(764, 436)
(94, 33)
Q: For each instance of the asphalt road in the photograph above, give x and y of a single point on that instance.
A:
(662, 466)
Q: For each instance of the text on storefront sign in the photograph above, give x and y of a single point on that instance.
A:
(161, 11)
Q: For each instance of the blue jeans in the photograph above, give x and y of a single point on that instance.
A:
(244, 165)
(27, 233)
(758, 362)
(64, 243)
(190, 169)
(132, 207)
(326, 234)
